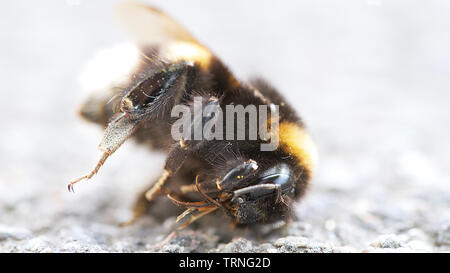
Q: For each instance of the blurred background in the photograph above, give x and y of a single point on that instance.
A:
(370, 78)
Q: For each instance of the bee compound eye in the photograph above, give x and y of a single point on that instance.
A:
(278, 175)
(241, 172)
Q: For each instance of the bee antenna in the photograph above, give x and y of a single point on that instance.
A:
(188, 204)
(204, 194)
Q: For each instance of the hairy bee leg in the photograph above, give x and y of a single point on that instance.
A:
(188, 204)
(173, 163)
(99, 164)
(115, 134)
(164, 242)
(141, 206)
(153, 191)
(177, 156)
(205, 195)
(192, 214)
(188, 188)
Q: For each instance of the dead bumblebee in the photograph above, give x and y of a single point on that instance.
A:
(230, 174)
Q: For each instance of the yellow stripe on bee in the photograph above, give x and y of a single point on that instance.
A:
(187, 51)
(297, 142)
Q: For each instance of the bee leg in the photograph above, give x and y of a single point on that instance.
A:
(115, 135)
(188, 204)
(167, 240)
(99, 164)
(156, 188)
(192, 214)
(141, 206)
(173, 163)
(188, 188)
(178, 154)
(175, 159)
(207, 197)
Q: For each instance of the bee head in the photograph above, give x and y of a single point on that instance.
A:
(255, 194)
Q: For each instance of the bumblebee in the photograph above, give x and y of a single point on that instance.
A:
(170, 67)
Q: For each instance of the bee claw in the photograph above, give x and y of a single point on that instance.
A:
(74, 181)
(70, 187)
(92, 173)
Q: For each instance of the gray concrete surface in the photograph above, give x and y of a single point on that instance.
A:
(371, 79)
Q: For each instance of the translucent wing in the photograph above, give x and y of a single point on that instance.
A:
(150, 28)
(148, 25)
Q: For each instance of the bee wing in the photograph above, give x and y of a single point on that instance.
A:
(151, 28)
(148, 25)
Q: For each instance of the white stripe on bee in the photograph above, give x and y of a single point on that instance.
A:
(110, 67)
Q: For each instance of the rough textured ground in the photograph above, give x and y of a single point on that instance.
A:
(370, 78)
